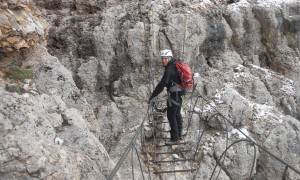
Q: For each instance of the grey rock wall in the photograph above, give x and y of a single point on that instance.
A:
(51, 135)
(101, 62)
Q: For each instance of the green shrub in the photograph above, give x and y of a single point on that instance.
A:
(17, 73)
(14, 88)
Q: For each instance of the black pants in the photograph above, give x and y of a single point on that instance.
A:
(174, 116)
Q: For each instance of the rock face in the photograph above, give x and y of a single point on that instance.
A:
(21, 26)
(101, 62)
(48, 135)
(29, 148)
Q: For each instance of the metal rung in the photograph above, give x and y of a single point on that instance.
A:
(162, 137)
(177, 160)
(173, 152)
(181, 170)
(170, 145)
(162, 122)
(168, 137)
(162, 130)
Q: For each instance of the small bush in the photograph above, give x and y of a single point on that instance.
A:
(14, 88)
(17, 73)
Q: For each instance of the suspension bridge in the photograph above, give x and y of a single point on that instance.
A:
(156, 159)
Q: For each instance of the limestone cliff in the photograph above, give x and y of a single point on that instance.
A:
(95, 63)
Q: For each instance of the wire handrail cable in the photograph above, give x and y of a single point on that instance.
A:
(132, 169)
(227, 138)
(224, 152)
(259, 146)
(137, 154)
(127, 150)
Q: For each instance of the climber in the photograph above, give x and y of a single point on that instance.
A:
(174, 102)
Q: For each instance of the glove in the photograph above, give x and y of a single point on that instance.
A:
(152, 102)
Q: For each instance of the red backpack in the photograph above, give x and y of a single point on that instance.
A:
(186, 77)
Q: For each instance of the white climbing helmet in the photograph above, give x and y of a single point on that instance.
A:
(166, 52)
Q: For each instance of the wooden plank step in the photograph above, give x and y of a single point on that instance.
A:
(176, 160)
(174, 171)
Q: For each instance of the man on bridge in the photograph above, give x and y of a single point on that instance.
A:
(170, 80)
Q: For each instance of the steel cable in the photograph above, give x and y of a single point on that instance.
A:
(225, 146)
(128, 148)
(238, 141)
(199, 139)
(259, 146)
(132, 165)
(284, 173)
(137, 154)
(254, 158)
(191, 114)
(148, 164)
